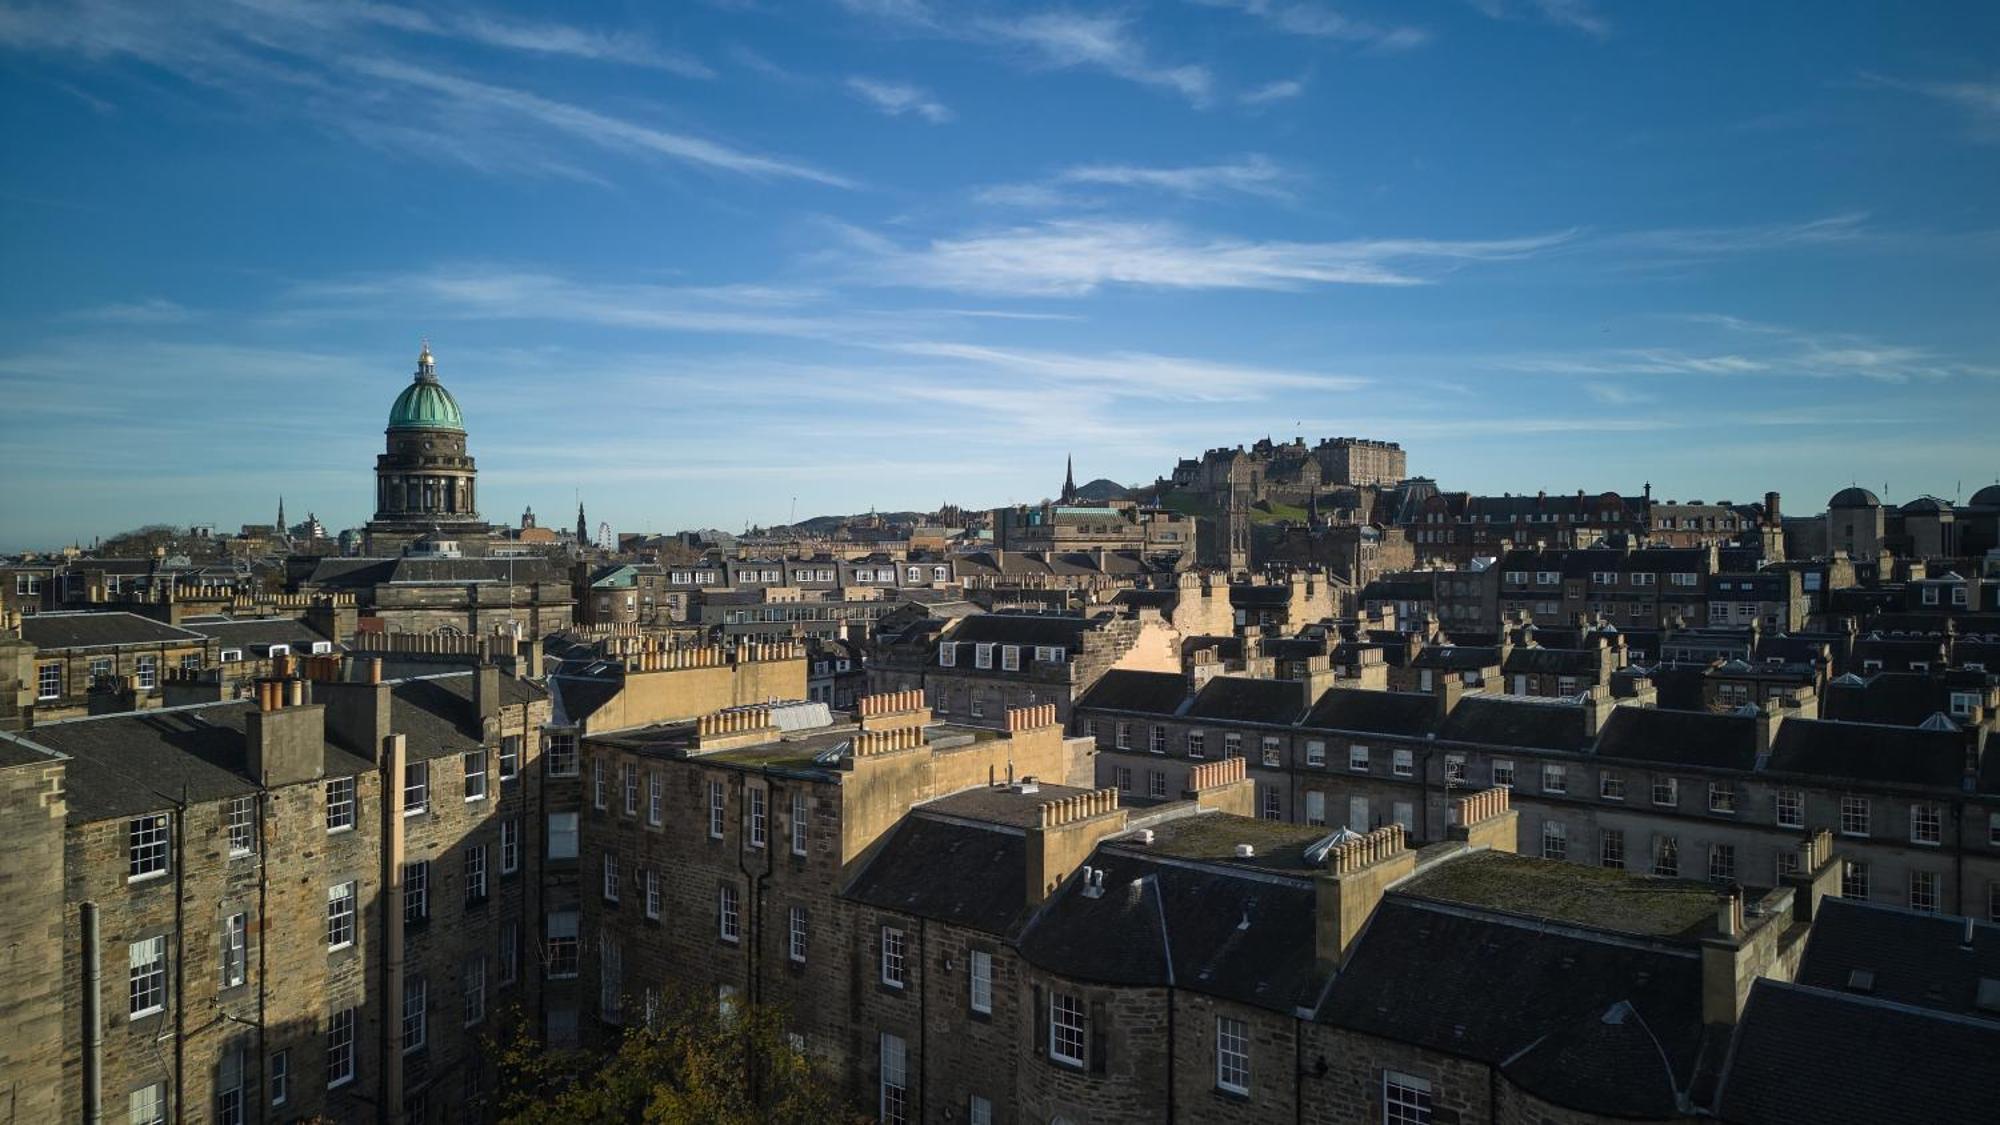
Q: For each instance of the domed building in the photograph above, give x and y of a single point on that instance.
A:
(1856, 523)
(425, 482)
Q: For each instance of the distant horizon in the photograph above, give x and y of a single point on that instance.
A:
(698, 263)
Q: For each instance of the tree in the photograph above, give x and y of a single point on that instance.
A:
(690, 1064)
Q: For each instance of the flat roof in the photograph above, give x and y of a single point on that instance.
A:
(1000, 804)
(1211, 837)
(1571, 893)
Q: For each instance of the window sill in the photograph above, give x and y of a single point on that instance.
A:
(1236, 1097)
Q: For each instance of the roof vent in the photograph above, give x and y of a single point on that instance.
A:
(1145, 836)
(1093, 883)
(1246, 851)
(1938, 721)
(1028, 785)
(1861, 980)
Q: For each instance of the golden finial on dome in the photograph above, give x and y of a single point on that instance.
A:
(425, 364)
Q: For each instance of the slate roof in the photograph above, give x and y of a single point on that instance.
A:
(1239, 936)
(1530, 1000)
(265, 632)
(1238, 698)
(1869, 752)
(1376, 712)
(1550, 661)
(1831, 1058)
(1897, 698)
(436, 714)
(1260, 596)
(1023, 629)
(48, 631)
(972, 876)
(1680, 738)
(1515, 722)
(1456, 658)
(1150, 693)
(143, 761)
(1913, 958)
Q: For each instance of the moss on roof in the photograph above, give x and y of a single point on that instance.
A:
(1571, 893)
(1213, 837)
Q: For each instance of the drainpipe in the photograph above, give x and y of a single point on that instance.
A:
(391, 1104)
(180, 953)
(93, 1019)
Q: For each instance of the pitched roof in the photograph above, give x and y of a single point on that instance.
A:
(1682, 738)
(100, 630)
(436, 714)
(1832, 1058)
(967, 875)
(1550, 661)
(1150, 693)
(142, 761)
(1868, 752)
(1242, 699)
(1023, 629)
(1238, 935)
(1561, 1012)
(1911, 958)
(1376, 712)
(264, 631)
(1512, 721)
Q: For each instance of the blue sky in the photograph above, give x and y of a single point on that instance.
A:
(700, 262)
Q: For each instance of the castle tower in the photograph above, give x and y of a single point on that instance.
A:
(424, 479)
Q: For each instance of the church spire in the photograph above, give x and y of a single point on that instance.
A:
(582, 527)
(1069, 480)
(281, 514)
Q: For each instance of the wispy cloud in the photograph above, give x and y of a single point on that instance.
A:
(1284, 89)
(560, 39)
(899, 98)
(1251, 175)
(328, 63)
(1577, 15)
(1054, 39)
(1143, 374)
(151, 311)
(1719, 240)
(1078, 257)
(1318, 21)
(1740, 348)
(600, 129)
(1980, 100)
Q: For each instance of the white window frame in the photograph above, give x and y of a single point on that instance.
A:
(146, 980)
(610, 888)
(895, 957)
(629, 776)
(893, 1093)
(510, 846)
(1069, 1038)
(48, 681)
(979, 981)
(1357, 759)
(235, 949)
(242, 825)
(801, 821)
(339, 1048)
(1789, 808)
(472, 984)
(416, 1025)
(475, 774)
(759, 814)
(796, 934)
(416, 787)
(340, 916)
(1856, 814)
(656, 798)
(718, 810)
(1406, 1099)
(148, 847)
(1926, 824)
(1555, 777)
(342, 804)
(728, 913)
(1232, 1055)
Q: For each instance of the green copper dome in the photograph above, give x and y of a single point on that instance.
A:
(425, 404)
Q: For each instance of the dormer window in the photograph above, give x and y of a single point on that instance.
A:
(279, 650)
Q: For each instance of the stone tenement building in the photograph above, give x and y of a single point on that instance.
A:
(974, 669)
(300, 908)
(1683, 793)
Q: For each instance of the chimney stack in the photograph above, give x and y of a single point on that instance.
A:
(1357, 874)
(284, 739)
